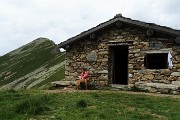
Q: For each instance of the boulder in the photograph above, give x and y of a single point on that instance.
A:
(163, 86)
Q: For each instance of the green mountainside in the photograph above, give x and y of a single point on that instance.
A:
(33, 65)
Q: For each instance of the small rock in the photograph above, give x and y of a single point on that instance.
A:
(176, 83)
(175, 74)
(158, 77)
(165, 71)
(172, 78)
(137, 76)
(134, 51)
(137, 55)
(102, 83)
(175, 92)
(149, 77)
(177, 66)
(165, 81)
(103, 71)
(130, 75)
(137, 67)
(139, 46)
(153, 90)
(155, 81)
(164, 90)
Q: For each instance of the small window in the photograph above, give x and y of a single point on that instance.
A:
(156, 61)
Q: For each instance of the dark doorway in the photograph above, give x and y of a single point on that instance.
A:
(120, 65)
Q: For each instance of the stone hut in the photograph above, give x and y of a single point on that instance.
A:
(126, 52)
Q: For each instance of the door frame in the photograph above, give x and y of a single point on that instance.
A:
(112, 63)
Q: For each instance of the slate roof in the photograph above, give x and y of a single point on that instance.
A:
(120, 18)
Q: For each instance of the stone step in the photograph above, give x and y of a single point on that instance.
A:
(118, 86)
(63, 83)
(159, 87)
(163, 86)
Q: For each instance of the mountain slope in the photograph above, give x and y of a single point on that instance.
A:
(33, 65)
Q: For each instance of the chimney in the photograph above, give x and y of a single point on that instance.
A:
(118, 15)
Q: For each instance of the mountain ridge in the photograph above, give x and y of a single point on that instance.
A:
(33, 65)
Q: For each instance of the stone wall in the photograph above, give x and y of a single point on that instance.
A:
(100, 69)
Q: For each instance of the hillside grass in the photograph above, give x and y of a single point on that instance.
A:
(106, 105)
(15, 64)
(59, 75)
(28, 58)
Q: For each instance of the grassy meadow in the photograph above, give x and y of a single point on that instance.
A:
(106, 105)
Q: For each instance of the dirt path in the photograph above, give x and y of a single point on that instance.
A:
(111, 91)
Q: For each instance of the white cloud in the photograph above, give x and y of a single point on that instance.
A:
(23, 21)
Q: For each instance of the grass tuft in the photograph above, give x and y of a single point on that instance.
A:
(34, 105)
(81, 103)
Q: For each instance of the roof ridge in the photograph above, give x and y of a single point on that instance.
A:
(121, 18)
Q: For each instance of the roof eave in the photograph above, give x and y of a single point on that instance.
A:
(122, 19)
(86, 33)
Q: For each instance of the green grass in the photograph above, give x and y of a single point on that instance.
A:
(106, 105)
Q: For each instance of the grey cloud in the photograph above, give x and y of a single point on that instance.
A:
(22, 21)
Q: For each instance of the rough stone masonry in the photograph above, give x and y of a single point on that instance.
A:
(95, 55)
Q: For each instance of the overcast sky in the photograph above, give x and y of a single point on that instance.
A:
(22, 21)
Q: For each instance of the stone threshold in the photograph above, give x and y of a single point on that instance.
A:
(119, 86)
